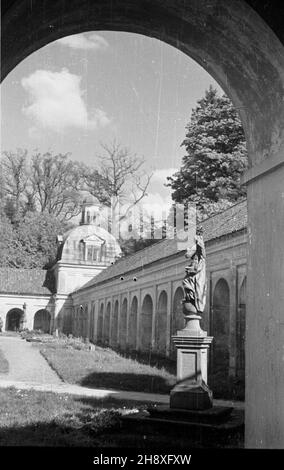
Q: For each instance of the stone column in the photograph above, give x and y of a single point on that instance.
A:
(233, 321)
(192, 391)
(264, 426)
(169, 310)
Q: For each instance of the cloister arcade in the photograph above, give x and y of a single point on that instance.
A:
(148, 321)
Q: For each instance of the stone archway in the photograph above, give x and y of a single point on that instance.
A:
(114, 325)
(243, 53)
(107, 323)
(92, 321)
(42, 321)
(161, 323)
(14, 319)
(100, 324)
(146, 323)
(177, 312)
(123, 325)
(132, 330)
(220, 324)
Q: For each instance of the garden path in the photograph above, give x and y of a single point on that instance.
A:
(26, 364)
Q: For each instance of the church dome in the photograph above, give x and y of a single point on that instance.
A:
(91, 200)
(89, 244)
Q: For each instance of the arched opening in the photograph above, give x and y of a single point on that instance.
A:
(161, 323)
(123, 325)
(146, 323)
(81, 322)
(114, 324)
(85, 322)
(14, 319)
(107, 324)
(100, 324)
(92, 322)
(132, 329)
(220, 324)
(77, 322)
(42, 320)
(177, 313)
(241, 330)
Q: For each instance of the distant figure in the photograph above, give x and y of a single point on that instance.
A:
(194, 282)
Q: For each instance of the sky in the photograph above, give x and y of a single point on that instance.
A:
(87, 89)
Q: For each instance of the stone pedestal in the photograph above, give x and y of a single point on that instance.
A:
(191, 391)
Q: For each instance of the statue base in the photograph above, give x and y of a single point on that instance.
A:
(191, 391)
(191, 396)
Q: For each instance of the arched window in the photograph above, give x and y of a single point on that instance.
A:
(81, 250)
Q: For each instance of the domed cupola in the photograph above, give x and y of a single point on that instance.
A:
(85, 250)
(90, 211)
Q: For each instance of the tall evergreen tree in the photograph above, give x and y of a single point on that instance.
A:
(215, 159)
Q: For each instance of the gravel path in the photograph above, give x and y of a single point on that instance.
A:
(26, 364)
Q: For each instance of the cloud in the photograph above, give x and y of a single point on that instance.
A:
(160, 176)
(81, 41)
(56, 102)
(158, 199)
(156, 204)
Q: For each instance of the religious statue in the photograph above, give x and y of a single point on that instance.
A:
(194, 282)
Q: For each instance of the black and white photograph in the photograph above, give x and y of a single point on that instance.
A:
(141, 231)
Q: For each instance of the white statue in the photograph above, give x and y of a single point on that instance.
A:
(194, 283)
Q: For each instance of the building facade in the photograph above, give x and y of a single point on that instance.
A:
(134, 303)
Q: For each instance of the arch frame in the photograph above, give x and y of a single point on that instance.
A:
(215, 34)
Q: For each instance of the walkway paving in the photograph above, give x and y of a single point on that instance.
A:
(30, 371)
(26, 364)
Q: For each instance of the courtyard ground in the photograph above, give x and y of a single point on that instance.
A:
(38, 413)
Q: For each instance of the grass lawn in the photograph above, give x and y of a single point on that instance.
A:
(4, 365)
(44, 419)
(31, 418)
(104, 368)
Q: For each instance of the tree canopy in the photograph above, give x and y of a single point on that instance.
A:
(41, 193)
(215, 158)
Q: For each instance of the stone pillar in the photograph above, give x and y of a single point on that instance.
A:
(169, 310)
(192, 391)
(264, 426)
(233, 321)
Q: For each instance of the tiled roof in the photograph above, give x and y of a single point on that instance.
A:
(227, 222)
(26, 281)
